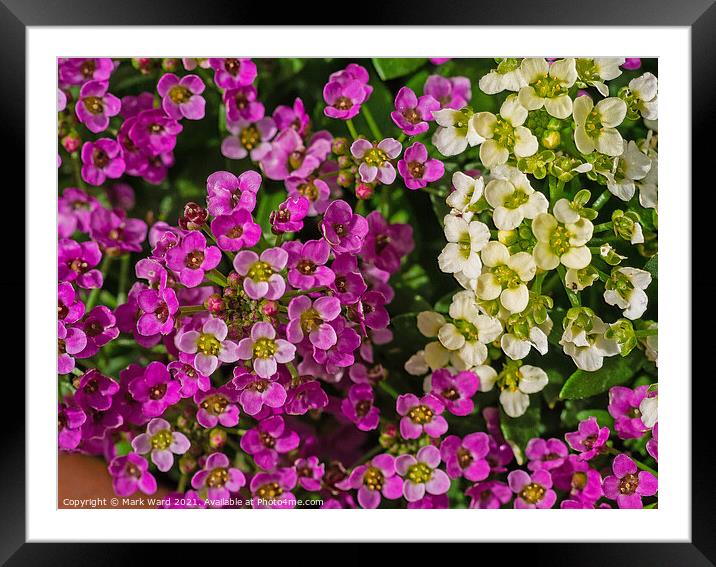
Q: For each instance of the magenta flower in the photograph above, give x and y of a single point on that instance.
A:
(343, 99)
(116, 232)
(309, 472)
(628, 484)
(289, 156)
(236, 230)
(310, 319)
(69, 306)
(162, 443)
(417, 170)
(96, 106)
(248, 139)
(261, 273)
(129, 474)
(209, 345)
(158, 306)
(421, 474)
(155, 131)
(624, 408)
(127, 314)
(375, 159)
(450, 92)
(191, 379)
(101, 159)
(439, 60)
(370, 311)
(307, 396)
(227, 193)
(76, 70)
(292, 117)
(241, 104)
(217, 406)
(290, 214)
(576, 477)
(156, 389)
(76, 262)
(466, 457)
(341, 354)
(306, 264)
(411, 113)
(588, 439)
(374, 479)
(545, 453)
(74, 209)
(343, 229)
(456, 391)
(191, 259)
(133, 105)
(532, 491)
(265, 350)
(652, 445)
(421, 416)
(95, 390)
(231, 73)
(268, 440)
(315, 190)
(631, 63)
(490, 494)
(100, 327)
(273, 490)
(349, 284)
(181, 98)
(69, 422)
(218, 478)
(257, 392)
(358, 407)
(70, 342)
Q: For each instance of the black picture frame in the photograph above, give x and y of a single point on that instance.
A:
(699, 15)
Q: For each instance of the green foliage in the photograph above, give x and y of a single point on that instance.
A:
(616, 370)
(393, 68)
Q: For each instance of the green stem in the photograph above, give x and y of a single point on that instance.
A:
(646, 333)
(352, 129)
(77, 169)
(123, 273)
(371, 122)
(369, 455)
(402, 137)
(555, 190)
(644, 467)
(602, 200)
(435, 191)
(216, 277)
(605, 226)
(279, 239)
(537, 285)
(186, 309)
(383, 385)
(295, 292)
(94, 294)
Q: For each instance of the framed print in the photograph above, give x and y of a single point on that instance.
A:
(356, 283)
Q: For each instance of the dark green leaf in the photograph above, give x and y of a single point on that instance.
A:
(652, 266)
(604, 419)
(519, 430)
(393, 68)
(616, 370)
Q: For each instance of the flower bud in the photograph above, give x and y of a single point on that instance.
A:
(194, 216)
(340, 146)
(364, 191)
(215, 304)
(71, 142)
(142, 64)
(345, 178)
(233, 279)
(170, 64)
(269, 307)
(187, 464)
(217, 438)
(551, 139)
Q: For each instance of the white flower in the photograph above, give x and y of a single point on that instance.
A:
(596, 125)
(651, 344)
(625, 289)
(644, 89)
(429, 323)
(504, 134)
(595, 71)
(583, 339)
(548, 85)
(649, 185)
(648, 408)
(416, 365)
(561, 242)
(632, 166)
(455, 131)
(487, 376)
(436, 355)
(505, 276)
(513, 198)
(516, 383)
(465, 240)
(507, 77)
(517, 348)
(467, 193)
(577, 280)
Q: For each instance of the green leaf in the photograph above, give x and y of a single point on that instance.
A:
(443, 304)
(519, 430)
(652, 266)
(616, 370)
(407, 338)
(393, 68)
(268, 201)
(604, 419)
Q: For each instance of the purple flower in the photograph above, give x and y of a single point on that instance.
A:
(218, 478)
(310, 472)
(231, 72)
(98, 423)
(248, 139)
(74, 209)
(268, 440)
(581, 481)
(191, 379)
(466, 457)
(411, 113)
(69, 307)
(158, 309)
(306, 264)
(241, 104)
(217, 406)
(75, 262)
(358, 407)
(370, 311)
(292, 117)
(155, 131)
(130, 473)
(386, 244)
(315, 190)
(417, 170)
(236, 231)
(101, 159)
(265, 350)
(343, 229)
(311, 319)
(349, 284)
(421, 416)
(127, 315)
(545, 454)
(156, 389)
(341, 354)
(95, 390)
(375, 159)
(181, 98)
(652, 445)
(290, 214)
(450, 92)
(289, 156)
(133, 105)
(209, 345)
(257, 392)
(374, 479)
(346, 91)
(631, 63)
(455, 391)
(490, 494)
(628, 484)
(95, 106)
(116, 232)
(162, 443)
(273, 490)
(261, 277)
(192, 258)
(100, 327)
(532, 491)
(307, 396)
(227, 193)
(421, 474)
(588, 439)
(69, 422)
(121, 196)
(77, 70)
(624, 408)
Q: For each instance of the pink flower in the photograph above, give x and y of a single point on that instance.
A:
(450, 92)
(421, 415)
(374, 479)
(95, 106)
(421, 474)
(261, 273)
(309, 319)
(375, 164)
(192, 258)
(209, 346)
(359, 408)
(218, 478)
(265, 350)
(411, 113)
(231, 72)
(417, 170)
(532, 492)
(162, 443)
(628, 484)
(181, 98)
